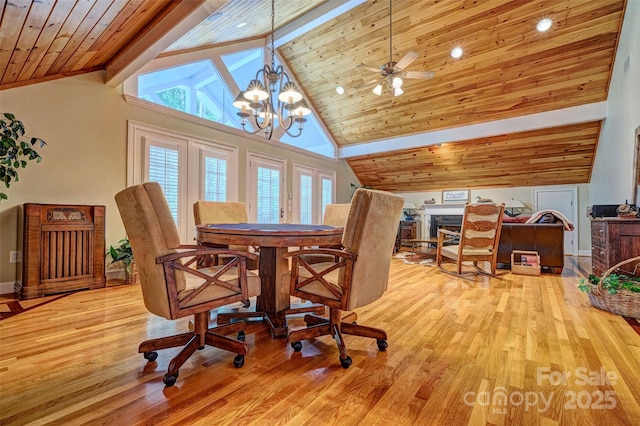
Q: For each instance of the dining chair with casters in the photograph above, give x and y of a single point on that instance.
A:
(358, 278)
(334, 215)
(223, 212)
(477, 240)
(173, 287)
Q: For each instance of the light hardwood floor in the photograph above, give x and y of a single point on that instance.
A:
(460, 353)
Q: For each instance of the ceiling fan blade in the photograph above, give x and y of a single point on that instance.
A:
(409, 57)
(426, 75)
(369, 68)
(359, 86)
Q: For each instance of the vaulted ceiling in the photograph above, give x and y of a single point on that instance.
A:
(519, 107)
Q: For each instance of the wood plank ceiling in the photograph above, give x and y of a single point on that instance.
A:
(507, 70)
(51, 39)
(553, 156)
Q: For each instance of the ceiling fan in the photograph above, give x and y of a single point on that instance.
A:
(393, 72)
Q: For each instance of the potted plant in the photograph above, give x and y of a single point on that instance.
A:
(123, 253)
(14, 152)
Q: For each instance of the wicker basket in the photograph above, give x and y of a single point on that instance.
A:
(519, 268)
(624, 302)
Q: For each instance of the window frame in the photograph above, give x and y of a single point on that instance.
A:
(130, 90)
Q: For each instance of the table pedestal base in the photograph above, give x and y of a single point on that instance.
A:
(276, 321)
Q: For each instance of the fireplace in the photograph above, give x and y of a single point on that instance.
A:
(452, 222)
(452, 213)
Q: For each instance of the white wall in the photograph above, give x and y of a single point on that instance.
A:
(611, 180)
(84, 123)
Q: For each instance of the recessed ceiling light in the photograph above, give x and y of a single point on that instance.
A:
(241, 24)
(543, 25)
(339, 90)
(215, 16)
(456, 52)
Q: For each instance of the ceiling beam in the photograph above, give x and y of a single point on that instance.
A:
(176, 23)
(561, 117)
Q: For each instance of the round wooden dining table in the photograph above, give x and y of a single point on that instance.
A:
(274, 239)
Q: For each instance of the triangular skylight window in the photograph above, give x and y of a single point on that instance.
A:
(195, 88)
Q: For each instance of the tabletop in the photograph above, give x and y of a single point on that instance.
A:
(270, 234)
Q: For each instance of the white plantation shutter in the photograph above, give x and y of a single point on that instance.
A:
(268, 203)
(306, 199)
(215, 179)
(164, 169)
(326, 192)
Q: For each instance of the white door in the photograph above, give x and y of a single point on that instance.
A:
(265, 189)
(566, 202)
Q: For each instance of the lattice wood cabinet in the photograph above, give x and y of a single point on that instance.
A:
(63, 249)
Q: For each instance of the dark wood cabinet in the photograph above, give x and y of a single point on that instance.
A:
(409, 230)
(613, 240)
(63, 249)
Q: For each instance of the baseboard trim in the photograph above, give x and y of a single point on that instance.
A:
(584, 253)
(7, 287)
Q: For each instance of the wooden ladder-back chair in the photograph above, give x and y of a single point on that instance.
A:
(478, 239)
(223, 212)
(172, 286)
(358, 278)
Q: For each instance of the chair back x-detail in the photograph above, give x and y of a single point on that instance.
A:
(478, 239)
(357, 277)
(172, 286)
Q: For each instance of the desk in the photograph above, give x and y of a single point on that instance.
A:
(274, 239)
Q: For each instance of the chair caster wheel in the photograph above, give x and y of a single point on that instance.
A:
(297, 346)
(170, 379)
(382, 345)
(345, 363)
(150, 356)
(238, 361)
(241, 336)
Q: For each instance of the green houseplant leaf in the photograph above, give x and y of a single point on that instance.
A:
(15, 152)
(122, 252)
(611, 284)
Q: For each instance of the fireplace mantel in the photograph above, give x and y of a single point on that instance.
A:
(431, 209)
(438, 209)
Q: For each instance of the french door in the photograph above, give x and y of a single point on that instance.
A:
(187, 169)
(265, 189)
(313, 189)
